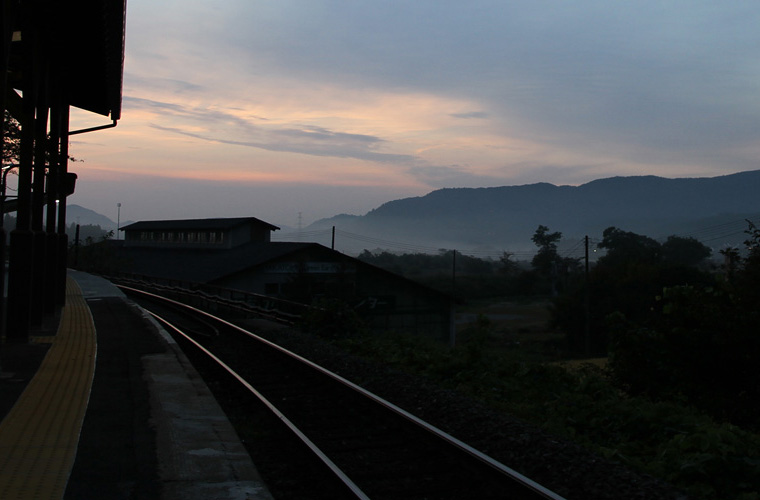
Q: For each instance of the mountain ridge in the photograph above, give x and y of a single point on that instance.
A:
(507, 216)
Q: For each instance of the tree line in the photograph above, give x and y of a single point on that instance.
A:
(88, 233)
(673, 322)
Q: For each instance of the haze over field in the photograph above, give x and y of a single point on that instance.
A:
(486, 222)
(321, 107)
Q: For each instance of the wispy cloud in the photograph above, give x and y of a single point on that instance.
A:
(433, 93)
(471, 114)
(303, 141)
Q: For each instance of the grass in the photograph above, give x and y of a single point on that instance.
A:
(507, 357)
(515, 328)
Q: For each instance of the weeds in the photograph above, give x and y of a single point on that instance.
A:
(666, 439)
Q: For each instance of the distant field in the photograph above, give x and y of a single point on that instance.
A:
(516, 327)
(517, 318)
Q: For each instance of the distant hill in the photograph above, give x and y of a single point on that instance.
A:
(76, 214)
(505, 218)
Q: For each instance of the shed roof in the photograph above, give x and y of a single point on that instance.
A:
(196, 224)
(203, 265)
(210, 265)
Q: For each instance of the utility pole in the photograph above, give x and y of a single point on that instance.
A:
(76, 246)
(452, 315)
(332, 246)
(453, 272)
(118, 219)
(587, 304)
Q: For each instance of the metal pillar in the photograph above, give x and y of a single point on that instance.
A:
(52, 191)
(38, 205)
(21, 255)
(8, 10)
(63, 242)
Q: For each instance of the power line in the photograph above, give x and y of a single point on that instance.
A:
(723, 231)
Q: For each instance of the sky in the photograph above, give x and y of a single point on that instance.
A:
(296, 110)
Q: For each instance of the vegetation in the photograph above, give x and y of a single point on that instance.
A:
(95, 256)
(699, 341)
(463, 276)
(11, 139)
(625, 283)
(667, 439)
(548, 264)
(678, 395)
(419, 264)
(88, 233)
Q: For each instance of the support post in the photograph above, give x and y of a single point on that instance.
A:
(52, 191)
(63, 241)
(38, 207)
(21, 253)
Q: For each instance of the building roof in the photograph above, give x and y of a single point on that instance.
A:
(203, 265)
(96, 36)
(196, 224)
(210, 265)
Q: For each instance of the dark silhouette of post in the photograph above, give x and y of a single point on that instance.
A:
(452, 328)
(38, 207)
(76, 247)
(587, 304)
(21, 254)
(66, 183)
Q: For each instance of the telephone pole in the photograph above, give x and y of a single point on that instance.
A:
(452, 315)
(587, 339)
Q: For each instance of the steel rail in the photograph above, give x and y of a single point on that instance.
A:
(495, 464)
(304, 439)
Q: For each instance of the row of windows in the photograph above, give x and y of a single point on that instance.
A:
(183, 236)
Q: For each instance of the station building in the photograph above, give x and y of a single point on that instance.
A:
(237, 253)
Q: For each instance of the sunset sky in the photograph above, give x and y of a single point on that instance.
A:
(275, 108)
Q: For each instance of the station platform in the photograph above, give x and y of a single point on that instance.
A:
(105, 405)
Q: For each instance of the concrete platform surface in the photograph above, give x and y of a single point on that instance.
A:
(151, 428)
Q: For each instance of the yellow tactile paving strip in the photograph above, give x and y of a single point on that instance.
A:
(39, 436)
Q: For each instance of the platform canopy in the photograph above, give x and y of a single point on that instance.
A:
(82, 41)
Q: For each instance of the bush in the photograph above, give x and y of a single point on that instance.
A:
(666, 439)
(697, 344)
(333, 319)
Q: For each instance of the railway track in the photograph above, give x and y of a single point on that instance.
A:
(339, 440)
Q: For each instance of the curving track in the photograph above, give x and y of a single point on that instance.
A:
(351, 443)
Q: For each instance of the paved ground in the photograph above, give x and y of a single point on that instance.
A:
(152, 429)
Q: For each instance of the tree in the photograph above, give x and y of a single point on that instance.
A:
(508, 266)
(681, 251)
(547, 263)
(626, 282)
(627, 247)
(753, 241)
(699, 343)
(747, 282)
(11, 139)
(731, 260)
(545, 260)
